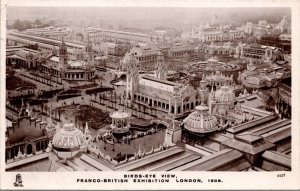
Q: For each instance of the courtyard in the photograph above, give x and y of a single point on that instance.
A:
(81, 114)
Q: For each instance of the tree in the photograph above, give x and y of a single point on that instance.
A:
(37, 23)
(18, 25)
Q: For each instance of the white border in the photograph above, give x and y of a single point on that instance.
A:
(231, 180)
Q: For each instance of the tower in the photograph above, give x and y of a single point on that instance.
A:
(160, 67)
(89, 52)
(63, 55)
(249, 28)
(283, 24)
(173, 133)
(203, 92)
(211, 101)
(214, 20)
(54, 51)
(132, 77)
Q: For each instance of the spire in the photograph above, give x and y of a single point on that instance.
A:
(23, 105)
(86, 130)
(86, 126)
(212, 92)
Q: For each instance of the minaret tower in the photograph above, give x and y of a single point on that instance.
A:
(63, 56)
(132, 77)
(89, 52)
(211, 101)
(160, 67)
(203, 91)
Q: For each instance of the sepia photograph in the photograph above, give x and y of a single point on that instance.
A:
(137, 89)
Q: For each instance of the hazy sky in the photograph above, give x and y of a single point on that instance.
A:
(154, 16)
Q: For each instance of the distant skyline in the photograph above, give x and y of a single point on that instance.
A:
(150, 16)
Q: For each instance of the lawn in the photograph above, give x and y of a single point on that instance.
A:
(81, 114)
(13, 82)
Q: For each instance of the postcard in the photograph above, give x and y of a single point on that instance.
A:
(165, 95)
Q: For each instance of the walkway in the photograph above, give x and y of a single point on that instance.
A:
(149, 159)
(26, 160)
(94, 163)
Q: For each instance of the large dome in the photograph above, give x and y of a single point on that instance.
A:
(200, 121)
(68, 138)
(225, 95)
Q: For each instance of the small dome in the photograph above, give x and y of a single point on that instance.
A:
(68, 138)
(225, 95)
(119, 115)
(200, 121)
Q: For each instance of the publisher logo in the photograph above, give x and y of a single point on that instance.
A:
(19, 182)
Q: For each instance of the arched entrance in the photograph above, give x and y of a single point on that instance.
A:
(29, 149)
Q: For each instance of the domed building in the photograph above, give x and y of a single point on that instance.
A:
(218, 79)
(200, 121)
(68, 141)
(222, 100)
(120, 123)
(76, 66)
(225, 95)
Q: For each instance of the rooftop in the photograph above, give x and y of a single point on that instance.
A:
(160, 81)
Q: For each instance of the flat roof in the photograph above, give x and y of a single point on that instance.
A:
(160, 81)
(44, 40)
(226, 158)
(249, 148)
(277, 158)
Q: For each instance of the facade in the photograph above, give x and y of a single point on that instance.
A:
(209, 33)
(172, 98)
(263, 27)
(60, 66)
(225, 49)
(256, 51)
(109, 48)
(119, 36)
(147, 55)
(25, 136)
(21, 57)
(179, 49)
(218, 79)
